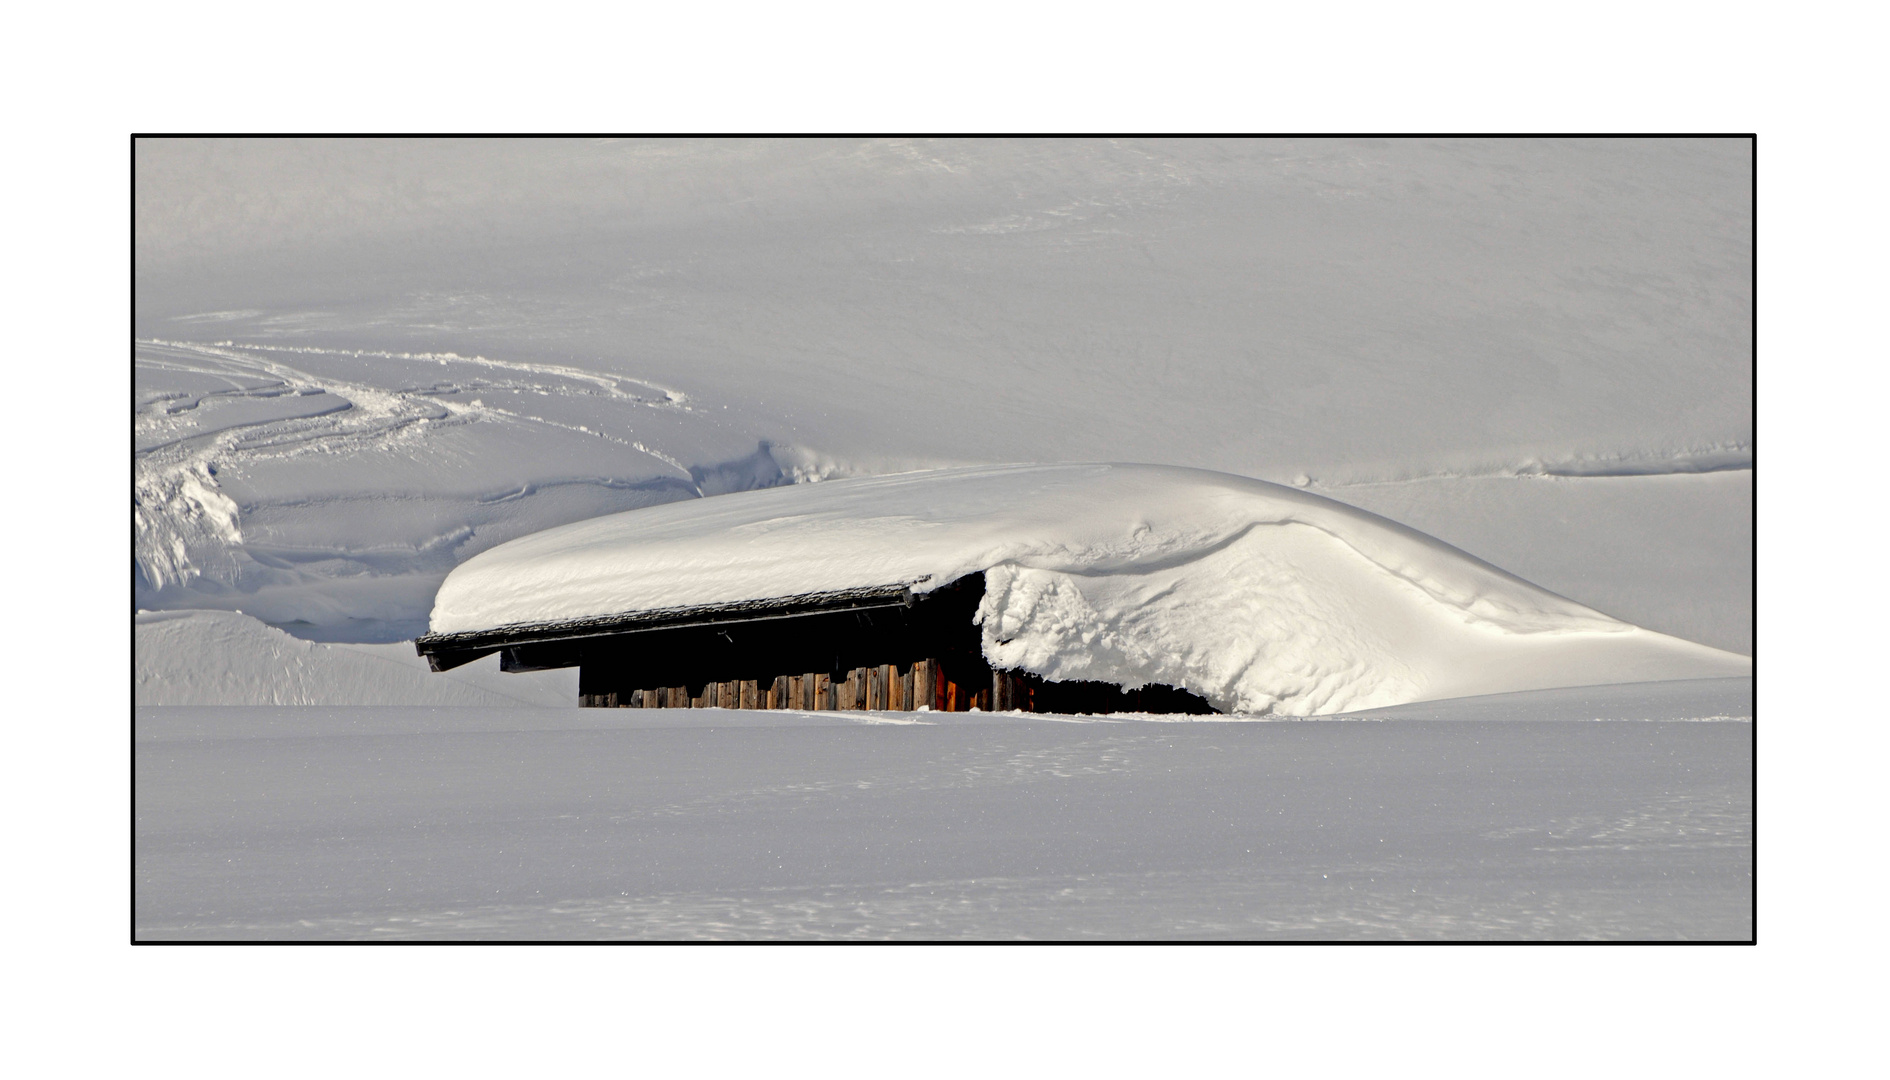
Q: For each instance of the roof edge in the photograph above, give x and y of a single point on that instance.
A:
(874, 596)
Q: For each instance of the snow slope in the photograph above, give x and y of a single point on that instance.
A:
(1350, 309)
(228, 658)
(1258, 597)
(330, 492)
(1672, 552)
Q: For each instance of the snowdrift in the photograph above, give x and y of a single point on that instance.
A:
(1258, 597)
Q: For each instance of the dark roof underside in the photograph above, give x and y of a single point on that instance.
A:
(445, 651)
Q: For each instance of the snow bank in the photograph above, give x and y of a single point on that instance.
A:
(228, 658)
(1258, 597)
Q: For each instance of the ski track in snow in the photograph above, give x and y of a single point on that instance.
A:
(205, 412)
(1730, 456)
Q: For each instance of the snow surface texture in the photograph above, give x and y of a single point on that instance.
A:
(228, 658)
(1349, 309)
(1260, 598)
(362, 362)
(1670, 552)
(410, 824)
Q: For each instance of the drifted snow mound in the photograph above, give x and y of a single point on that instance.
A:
(228, 658)
(1259, 598)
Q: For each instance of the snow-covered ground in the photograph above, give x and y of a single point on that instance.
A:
(1599, 813)
(229, 658)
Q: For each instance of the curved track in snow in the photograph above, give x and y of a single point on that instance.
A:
(330, 490)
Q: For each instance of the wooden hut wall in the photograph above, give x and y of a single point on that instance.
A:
(845, 659)
(894, 657)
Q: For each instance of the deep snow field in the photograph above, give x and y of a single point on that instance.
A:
(360, 365)
(1617, 813)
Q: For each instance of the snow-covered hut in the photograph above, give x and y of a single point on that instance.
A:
(864, 648)
(1069, 588)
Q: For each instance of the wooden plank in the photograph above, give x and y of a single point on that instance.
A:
(797, 691)
(906, 680)
(725, 695)
(750, 694)
(925, 683)
(823, 692)
(679, 697)
(876, 687)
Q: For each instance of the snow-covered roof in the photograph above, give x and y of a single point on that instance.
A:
(1258, 597)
